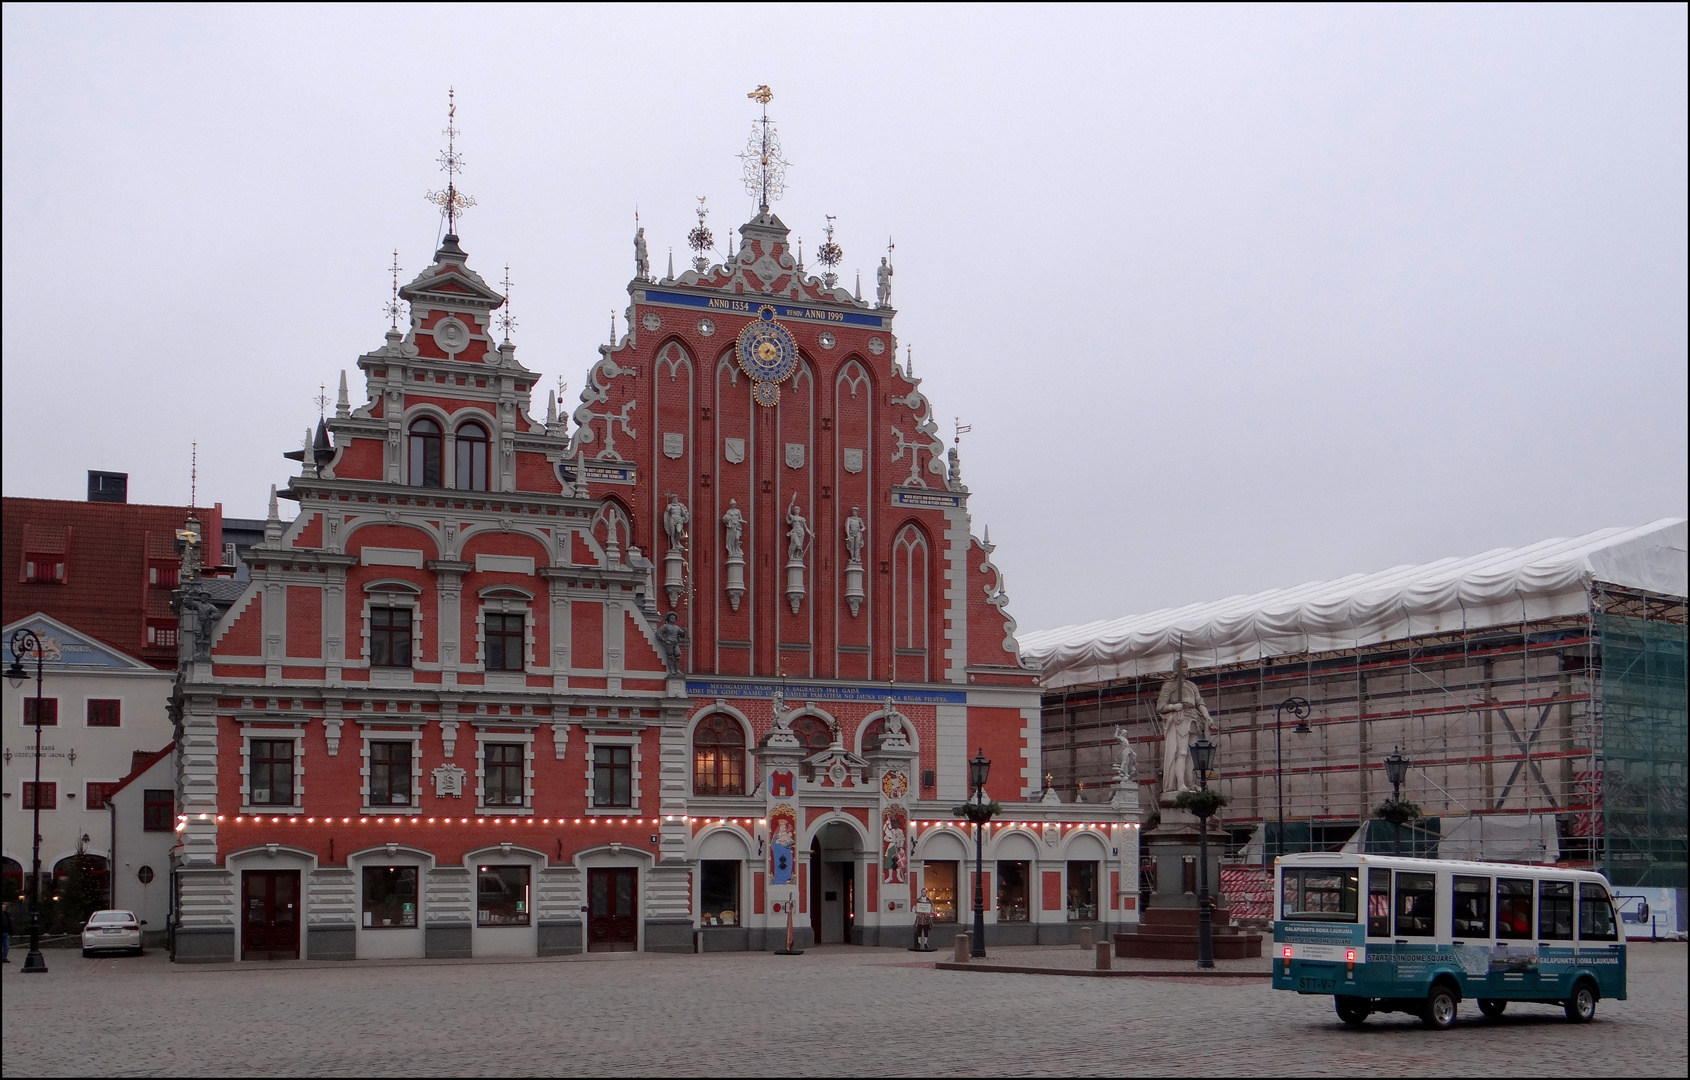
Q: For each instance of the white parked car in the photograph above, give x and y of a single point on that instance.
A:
(112, 930)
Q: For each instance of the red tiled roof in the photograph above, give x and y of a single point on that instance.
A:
(143, 762)
(105, 592)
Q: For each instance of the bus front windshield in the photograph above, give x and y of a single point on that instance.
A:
(1323, 895)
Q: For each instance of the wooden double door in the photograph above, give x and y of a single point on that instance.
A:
(270, 909)
(613, 909)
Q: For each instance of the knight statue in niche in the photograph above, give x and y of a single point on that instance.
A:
(1184, 717)
(734, 522)
(675, 520)
(797, 532)
(855, 529)
(670, 637)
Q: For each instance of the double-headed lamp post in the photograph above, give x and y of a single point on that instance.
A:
(1299, 707)
(1396, 771)
(25, 641)
(1203, 763)
(978, 770)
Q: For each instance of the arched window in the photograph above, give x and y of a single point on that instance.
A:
(472, 458)
(909, 604)
(875, 734)
(425, 454)
(814, 733)
(718, 756)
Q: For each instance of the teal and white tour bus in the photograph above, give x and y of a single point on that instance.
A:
(1388, 934)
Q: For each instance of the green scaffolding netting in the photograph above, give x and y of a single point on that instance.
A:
(1644, 749)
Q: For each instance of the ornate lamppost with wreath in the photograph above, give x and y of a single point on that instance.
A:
(979, 812)
(1399, 811)
(1204, 803)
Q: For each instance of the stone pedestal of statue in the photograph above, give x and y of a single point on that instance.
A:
(1167, 928)
(736, 580)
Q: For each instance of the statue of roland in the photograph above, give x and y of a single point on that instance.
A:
(1184, 718)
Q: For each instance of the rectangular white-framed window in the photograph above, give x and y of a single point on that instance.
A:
(392, 769)
(613, 775)
(386, 651)
(272, 768)
(504, 633)
(504, 771)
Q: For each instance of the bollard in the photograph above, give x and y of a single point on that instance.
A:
(1085, 938)
(962, 943)
(1104, 961)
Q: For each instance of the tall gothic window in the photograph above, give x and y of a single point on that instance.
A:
(425, 454)
(718, 756)
(471, 474)
(909, 604)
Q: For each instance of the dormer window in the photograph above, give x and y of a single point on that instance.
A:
(425, 454)
(471, 473)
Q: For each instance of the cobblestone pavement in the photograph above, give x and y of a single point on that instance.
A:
(832, 1011)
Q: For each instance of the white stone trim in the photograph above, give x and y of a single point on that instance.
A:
(593, 741)
(482, 738)
(294, 731)
(414, 737)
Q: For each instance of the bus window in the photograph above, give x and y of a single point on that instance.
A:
(1470, 912)
(1417, 901)
(1513, 909)
(1555, 910)
(1378, 903)
(1323, 895)
(1596, 914)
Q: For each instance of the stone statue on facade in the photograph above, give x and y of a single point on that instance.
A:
(734, 522)
(201, 617)
(783, 719)
(883, 287)
(642, 261)
(670, 637)
(797, 532)
(855, 528)
(675, 520)
(1126, 762)
(1184, 718)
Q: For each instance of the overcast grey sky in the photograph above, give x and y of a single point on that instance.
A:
(1234, 297)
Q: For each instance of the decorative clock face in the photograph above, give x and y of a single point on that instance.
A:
(766, 350)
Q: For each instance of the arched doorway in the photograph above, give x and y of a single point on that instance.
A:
(834, 859)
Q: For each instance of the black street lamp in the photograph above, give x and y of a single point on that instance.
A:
(1203, 763)
(1396, 771)
(1299, 707)
(978, 770)
(25, 641)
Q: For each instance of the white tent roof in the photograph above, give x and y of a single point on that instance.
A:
(1499, 588)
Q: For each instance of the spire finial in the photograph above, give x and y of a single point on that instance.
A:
(503, 319)
(343, 404)
(765, 169)
(700, 239)
(194, 475)
(829, 255)
(321, 401)
(613, 328)
(452, 202)
(391, 308)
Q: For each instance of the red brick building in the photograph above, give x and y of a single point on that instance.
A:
(711, 658)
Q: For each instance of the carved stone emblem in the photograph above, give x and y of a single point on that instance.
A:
(706, 327)
(827, 340)
(733, 450)
(876, 346)
(853, 460)
(795, 455)
(674, 443)
(651, 321)
(451, 335)
(449, 780)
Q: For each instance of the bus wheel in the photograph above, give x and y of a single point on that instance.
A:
(1352, 1010)
(1440, 1008)
(1492, 1007)
(1581, 1007)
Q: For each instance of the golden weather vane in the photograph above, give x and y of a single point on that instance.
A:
(765, 169)
(452, 202)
